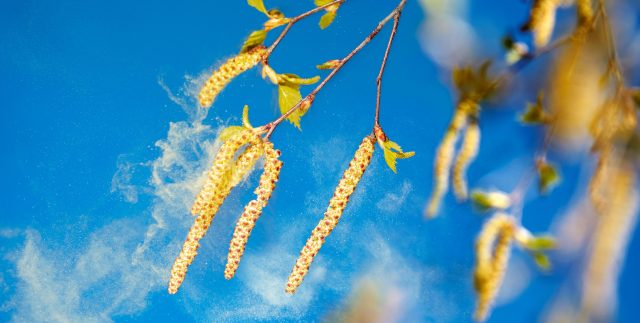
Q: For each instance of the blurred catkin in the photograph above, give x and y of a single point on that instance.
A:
(542, 19)
(468, 152)
(493, 247)
(253, 209)
(208, 201)
(610, 238)
(575, 81)
(227, 72)
(584, 12)
(337, 204)
(612, 126)
(445, 154)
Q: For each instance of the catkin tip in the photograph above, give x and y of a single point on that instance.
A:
(227, 72)
(542, 21)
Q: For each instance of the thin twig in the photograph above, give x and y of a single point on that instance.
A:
(297, 18)
(396, 20)
(309, 98)
(614, 60)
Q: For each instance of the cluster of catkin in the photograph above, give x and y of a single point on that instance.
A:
(464, 121)
(225, 173)
(227, 72)
(253, 209)
(337, 204)
(493, 247)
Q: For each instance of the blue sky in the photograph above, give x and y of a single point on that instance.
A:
(104, 152)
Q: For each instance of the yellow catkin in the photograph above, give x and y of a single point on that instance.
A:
(212, 194)
(227, 71)
(337, 204)
(468, 152)
(599, 183)
(253, 209)
(584, 11)
(493, 247)
(207, 203)
(610, 238)
(542, 19)
(245, 163)
(444, 157)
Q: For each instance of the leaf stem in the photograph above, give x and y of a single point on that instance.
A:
(309, 98)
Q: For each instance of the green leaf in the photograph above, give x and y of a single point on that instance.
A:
(548, 176)
(329, 65)
(541, 243)
(256, 38)
(535, 113)
(245, 117)
(330, 13)
(474, 84)
(541, 260)
(484, 201)
(275, 22)
(288, 96)
(392, 152)
(508, 42)
(327, 19)
(227, 132)
(481, 201)
(275, 14)
(293, 79)
(259, 5)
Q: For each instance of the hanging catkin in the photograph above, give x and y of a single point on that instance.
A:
(227, 72)
(253, 209)
(542, 19)
(611, 236)
(245, 163)
(337, 204)
(220, 174)
(445, 155)
(466, 155)
(493, 247)
(208, 201)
